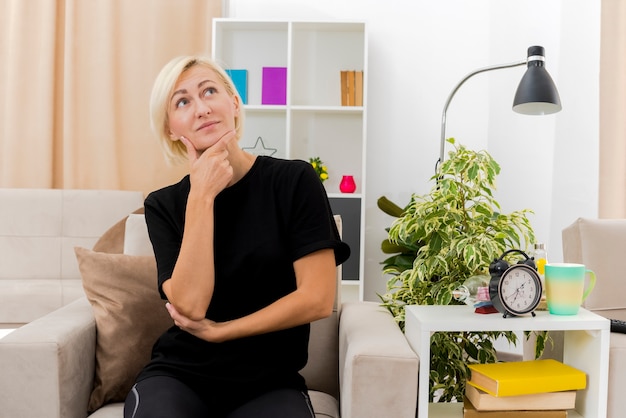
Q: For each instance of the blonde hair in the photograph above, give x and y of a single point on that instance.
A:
(162, 90)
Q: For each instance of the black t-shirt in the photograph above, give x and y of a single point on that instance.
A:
(277, 213)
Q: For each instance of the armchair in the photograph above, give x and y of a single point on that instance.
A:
(599, 245)
(360, 363)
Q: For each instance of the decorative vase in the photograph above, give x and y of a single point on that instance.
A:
(347, 184)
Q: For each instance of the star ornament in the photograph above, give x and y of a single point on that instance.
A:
(259, 148)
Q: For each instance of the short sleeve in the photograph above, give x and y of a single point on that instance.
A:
(311, 223)
(165, 223)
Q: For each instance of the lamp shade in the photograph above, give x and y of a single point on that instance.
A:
(536, 93)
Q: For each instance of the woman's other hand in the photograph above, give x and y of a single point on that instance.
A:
(203, 328)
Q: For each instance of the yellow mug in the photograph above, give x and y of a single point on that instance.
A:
(565, 287)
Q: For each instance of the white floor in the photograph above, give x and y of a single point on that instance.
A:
(5, 331)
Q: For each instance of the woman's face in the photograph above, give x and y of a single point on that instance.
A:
(201, 109)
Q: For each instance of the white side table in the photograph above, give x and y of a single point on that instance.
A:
(586, 347)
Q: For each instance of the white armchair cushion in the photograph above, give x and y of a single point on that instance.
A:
(47, 366)
(39, 229)
(136, 239)
(599, 245)
(374, 357)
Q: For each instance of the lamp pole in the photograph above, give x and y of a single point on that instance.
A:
(536, 93)
(456, 88)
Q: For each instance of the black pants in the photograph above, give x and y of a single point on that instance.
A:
(166, 397)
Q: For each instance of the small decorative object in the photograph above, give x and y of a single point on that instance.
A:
(515, 290)
(320, 168)
(347, 184)
(475, 292)
(259, 148)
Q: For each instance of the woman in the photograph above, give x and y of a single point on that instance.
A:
(246, 250)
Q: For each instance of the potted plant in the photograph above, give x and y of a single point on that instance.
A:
(438, 241)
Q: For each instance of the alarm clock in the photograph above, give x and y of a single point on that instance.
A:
(515, 290)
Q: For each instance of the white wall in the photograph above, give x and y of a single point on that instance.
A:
(418, 51)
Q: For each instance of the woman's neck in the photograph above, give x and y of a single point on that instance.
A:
(242, 162)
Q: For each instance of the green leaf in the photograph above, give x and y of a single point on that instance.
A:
(389, 207)
(472, 172)
(389, 247)
(472, 350)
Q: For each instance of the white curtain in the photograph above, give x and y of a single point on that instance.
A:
(612, 187)
(75, 82)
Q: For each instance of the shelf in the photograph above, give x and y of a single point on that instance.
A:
(455, 409)
(328, 109)
(312, 122)
(463, 318)
(345, 195)
(265, 109)
(356, 27)
(586, 345)
(320, 51)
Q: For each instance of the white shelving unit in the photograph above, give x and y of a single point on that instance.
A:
(312, 122)
(586, 347)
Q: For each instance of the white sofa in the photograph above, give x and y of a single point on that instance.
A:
(599, 244)
(39, 229)
(360, 364)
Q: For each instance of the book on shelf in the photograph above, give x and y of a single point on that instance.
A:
(470, 412)
(483, 401)
(274, 86)
(351, 88)
(240, 80)
(526, 377)
(358, 88)
(344, 88)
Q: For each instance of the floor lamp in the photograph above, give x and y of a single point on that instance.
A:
(536, 93)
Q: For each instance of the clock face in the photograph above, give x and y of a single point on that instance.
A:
(520, 289)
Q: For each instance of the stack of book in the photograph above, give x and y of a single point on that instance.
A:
(522, 389)
(352, 88)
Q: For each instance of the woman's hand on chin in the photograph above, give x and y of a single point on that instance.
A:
(210, 171)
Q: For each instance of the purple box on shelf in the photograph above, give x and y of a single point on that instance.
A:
(274, 85)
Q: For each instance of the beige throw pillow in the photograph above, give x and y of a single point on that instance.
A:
(129, 314)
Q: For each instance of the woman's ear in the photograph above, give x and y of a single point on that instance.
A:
(236, 104)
